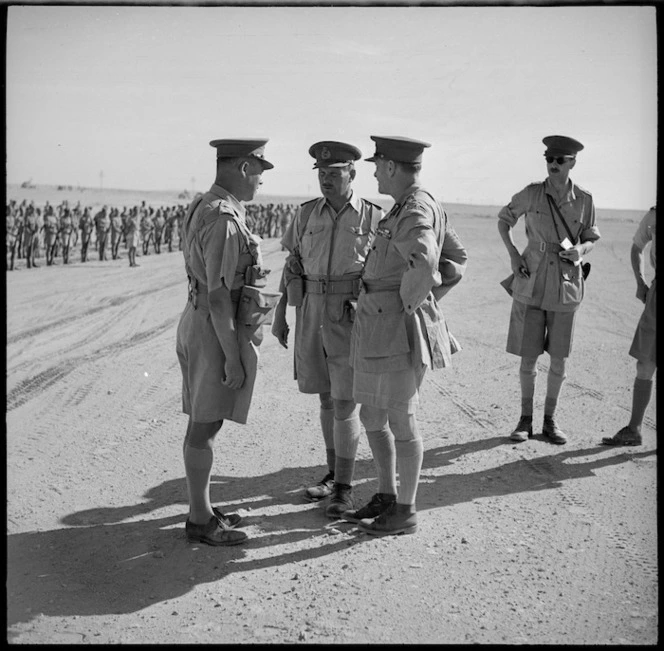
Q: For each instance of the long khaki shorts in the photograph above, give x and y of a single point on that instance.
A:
(644, 344)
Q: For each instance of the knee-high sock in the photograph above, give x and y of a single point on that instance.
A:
(327, 425)
(640, 398)
(527, 379)
(409, 463)
(382, 447)
(554, 383)
(198, 467)
(346, 439)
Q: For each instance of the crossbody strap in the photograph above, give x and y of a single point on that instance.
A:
(555, 209)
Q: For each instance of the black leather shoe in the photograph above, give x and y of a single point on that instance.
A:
(213, 533)
(378, 503)
(551, 431)
(230, 519)
(340, 501)
(322, 489)
(523, 430)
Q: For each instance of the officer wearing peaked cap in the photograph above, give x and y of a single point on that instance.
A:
(328, 242)
(400, 330)
(232, 149)
(217, 350)
(547, 284)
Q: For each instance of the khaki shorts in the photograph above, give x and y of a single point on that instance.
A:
(533, 331)
(644, 344)
(398, 390)
(202, 361)
(322, 348)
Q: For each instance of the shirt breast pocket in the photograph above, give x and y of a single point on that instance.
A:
(311, 242)
(356, 239)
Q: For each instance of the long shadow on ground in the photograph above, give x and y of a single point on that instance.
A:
(101, 564)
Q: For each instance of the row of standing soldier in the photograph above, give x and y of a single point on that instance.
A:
(57, 230)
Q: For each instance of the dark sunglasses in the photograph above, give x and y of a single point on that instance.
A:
(560, 159)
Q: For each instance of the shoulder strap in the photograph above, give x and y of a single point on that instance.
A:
(555, 209)
(305, 212)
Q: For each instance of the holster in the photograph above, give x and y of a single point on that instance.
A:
(255, 309)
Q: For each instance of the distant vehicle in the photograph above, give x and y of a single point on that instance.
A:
(183, 195)
(28, 184)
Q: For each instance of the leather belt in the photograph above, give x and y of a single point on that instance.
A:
(553, 247)
(378, 286)
(324, 286)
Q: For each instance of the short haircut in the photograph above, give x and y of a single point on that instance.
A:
(409, 168)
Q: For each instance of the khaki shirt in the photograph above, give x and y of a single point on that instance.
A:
(394, 329)
(333, 243)
(215, 250)
(646, 233)
(552, 284)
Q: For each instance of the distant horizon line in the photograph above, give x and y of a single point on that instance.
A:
(70, 187)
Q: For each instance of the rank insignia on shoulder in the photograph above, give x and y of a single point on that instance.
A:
(384, 232)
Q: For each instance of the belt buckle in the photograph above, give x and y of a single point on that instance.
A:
(542, 246)
(323, 285)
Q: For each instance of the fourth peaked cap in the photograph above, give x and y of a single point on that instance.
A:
(242, 148)
(401, 150)
(562, 146)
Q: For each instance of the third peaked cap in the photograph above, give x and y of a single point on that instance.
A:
(562, 146)
(242, 148)
(396, 148)
(330, 153)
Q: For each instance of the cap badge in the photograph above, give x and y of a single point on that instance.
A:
(325, 153)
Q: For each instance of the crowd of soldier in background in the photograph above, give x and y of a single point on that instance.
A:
(57, 231)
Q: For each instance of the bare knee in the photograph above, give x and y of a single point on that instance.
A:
(528, 365)
(645, 370)
(373, 418)
(403, 425)
(344, 409)
(326, 401)
(201, 435)
(557, 366)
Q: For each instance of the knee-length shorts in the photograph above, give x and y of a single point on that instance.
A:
(204, 398)
(644, 344)
(322, 349)
(533, 331)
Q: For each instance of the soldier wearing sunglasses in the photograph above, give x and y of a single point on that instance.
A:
(547, 283)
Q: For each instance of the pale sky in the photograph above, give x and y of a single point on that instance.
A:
(129, 97)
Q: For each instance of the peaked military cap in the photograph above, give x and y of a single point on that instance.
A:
(561, 146)
(329, 153)
(242, 148)
(402, 150)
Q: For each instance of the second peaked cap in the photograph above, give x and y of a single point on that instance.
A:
(242, 148)
(330, 153)
(399, 149)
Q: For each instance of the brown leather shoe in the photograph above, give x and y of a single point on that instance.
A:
(523, 430)
(625, 436)
(341, 501)
(322, 489)
(378, 503)
(551, 431)
(395, 519)
(213, 533)
(231, 520)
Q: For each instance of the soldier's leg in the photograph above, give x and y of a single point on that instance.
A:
(641, 393)
(346, 435)
(198, 458)
(326, 414)
(409, 452)
(381, 442)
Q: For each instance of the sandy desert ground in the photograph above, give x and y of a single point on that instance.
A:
(526, 543)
